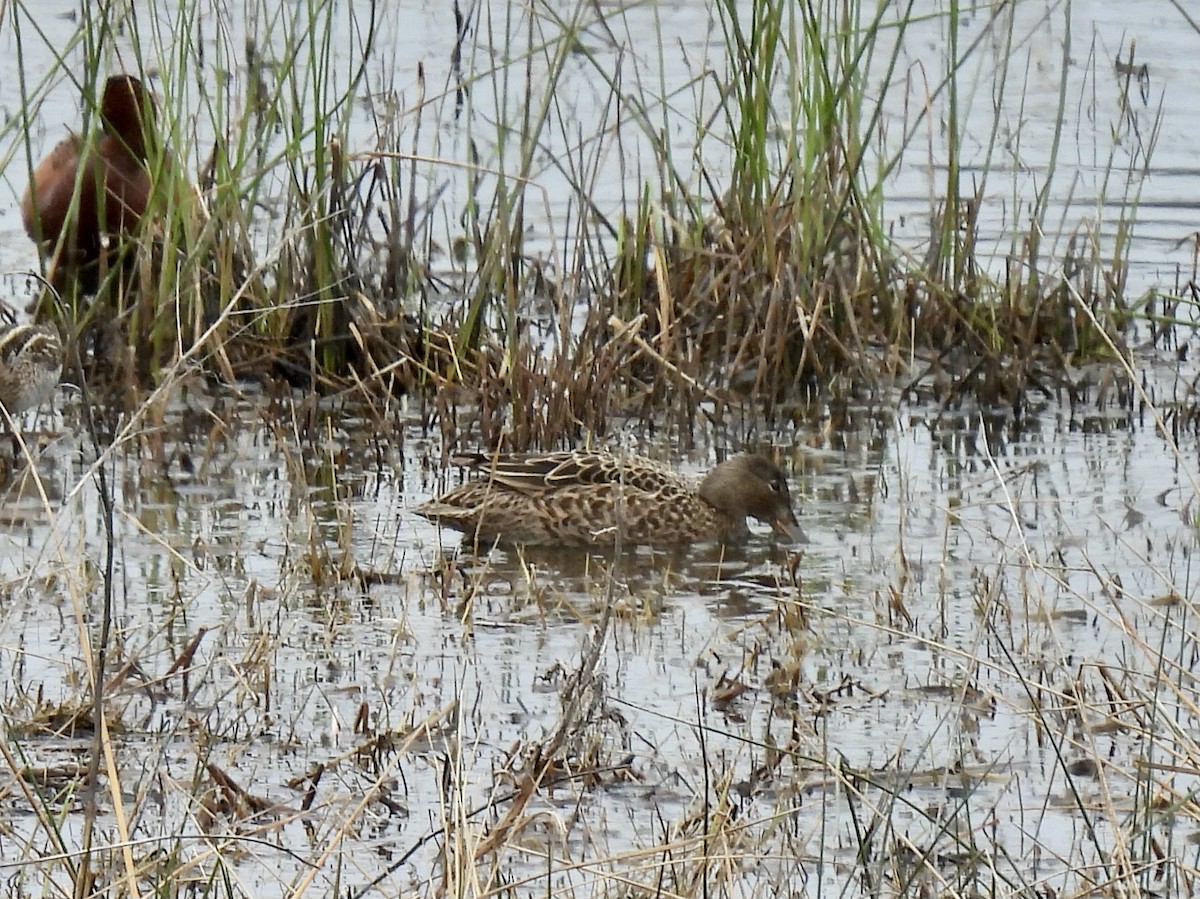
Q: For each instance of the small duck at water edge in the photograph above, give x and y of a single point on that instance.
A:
(587, 498)
(84, 200)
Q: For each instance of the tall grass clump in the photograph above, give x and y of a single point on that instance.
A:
(1003, 333)
(783, 279)
(722, 241)
(777, 278)
(251, 260)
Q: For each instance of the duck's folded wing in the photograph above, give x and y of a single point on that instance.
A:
(543, 472)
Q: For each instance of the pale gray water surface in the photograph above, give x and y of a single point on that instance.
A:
(984, 605)
(977, 599)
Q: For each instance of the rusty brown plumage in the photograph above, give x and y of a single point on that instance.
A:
(84, 199)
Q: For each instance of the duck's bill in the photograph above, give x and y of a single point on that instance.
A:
(788, 527)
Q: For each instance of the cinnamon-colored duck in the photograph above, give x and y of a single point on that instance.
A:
(111, 178)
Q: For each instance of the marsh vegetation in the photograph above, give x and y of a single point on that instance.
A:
(895, 249)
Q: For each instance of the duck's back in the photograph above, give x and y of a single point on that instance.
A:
(576, 498)
(538, 472)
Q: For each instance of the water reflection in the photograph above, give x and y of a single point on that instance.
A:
(951, 560)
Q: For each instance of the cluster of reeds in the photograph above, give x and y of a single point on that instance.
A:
(311, 252)
(748, 261)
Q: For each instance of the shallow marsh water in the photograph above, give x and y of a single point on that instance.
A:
(981, 604)
(985, 608)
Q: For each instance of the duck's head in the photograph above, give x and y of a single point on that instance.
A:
(128, 113)
(746, 484)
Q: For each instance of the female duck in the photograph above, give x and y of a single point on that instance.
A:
(83, 200)
(586, 498)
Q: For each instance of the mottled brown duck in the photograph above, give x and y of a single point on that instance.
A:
(587, 498)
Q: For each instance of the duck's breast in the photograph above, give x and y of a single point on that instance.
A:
(46, 204)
